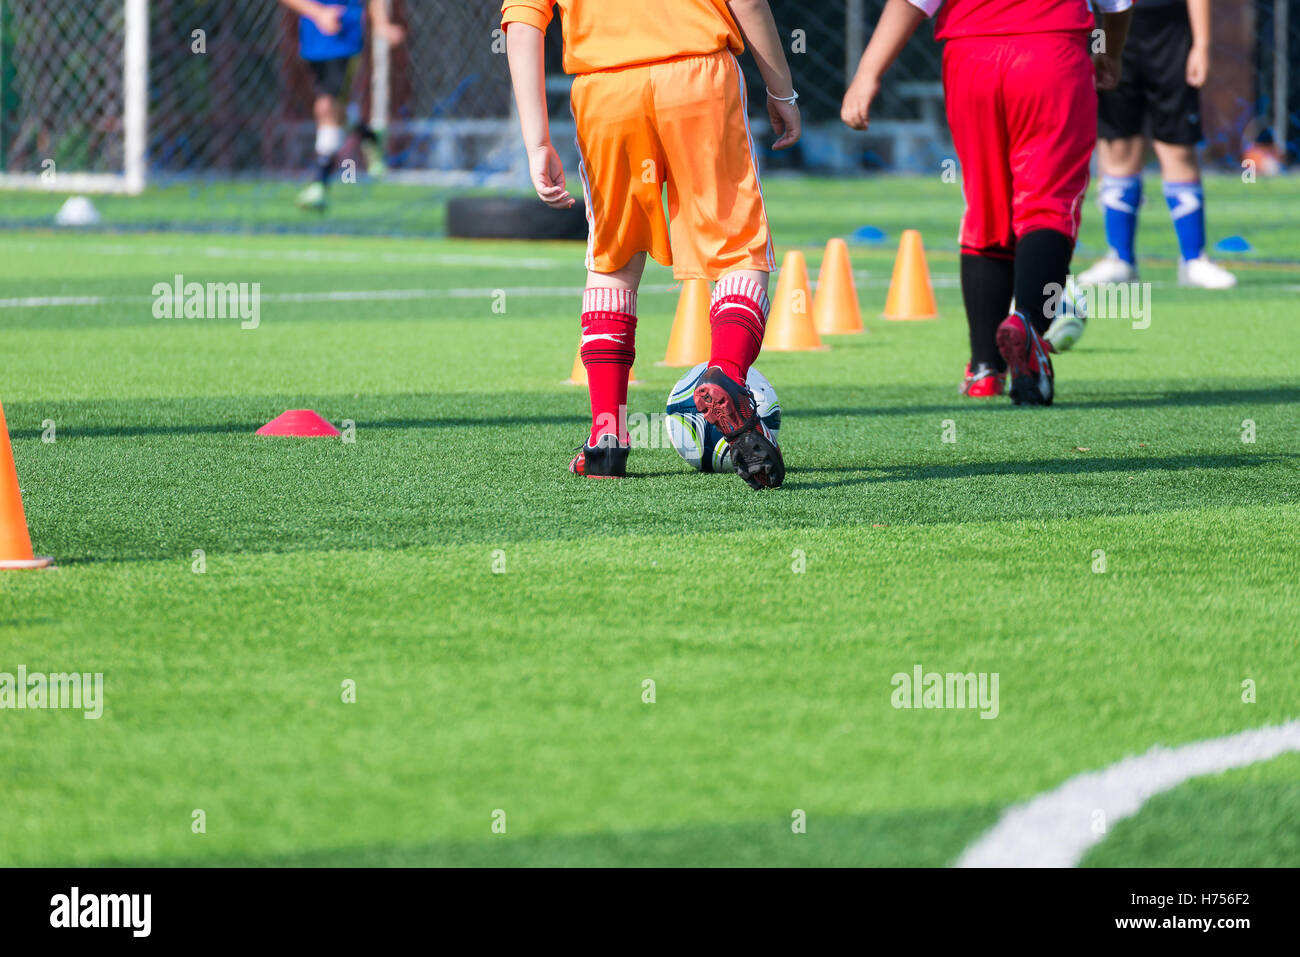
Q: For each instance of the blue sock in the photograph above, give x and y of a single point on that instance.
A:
(1187, 207)
(1120, 198)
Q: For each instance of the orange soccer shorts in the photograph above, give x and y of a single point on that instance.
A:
(679, 124)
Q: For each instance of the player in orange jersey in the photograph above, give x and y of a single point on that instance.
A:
(660, 103)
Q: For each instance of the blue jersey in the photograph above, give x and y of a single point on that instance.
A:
(348, 42)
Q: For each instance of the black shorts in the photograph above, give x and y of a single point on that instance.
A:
(1153, 95)
(329, 77)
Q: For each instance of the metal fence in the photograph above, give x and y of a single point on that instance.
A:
(220, 91)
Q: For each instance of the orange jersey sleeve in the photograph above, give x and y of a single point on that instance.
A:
(607, 34)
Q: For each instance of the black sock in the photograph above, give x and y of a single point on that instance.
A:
(1042, 265)
(366, 133)
(986, 286)
(324, 166)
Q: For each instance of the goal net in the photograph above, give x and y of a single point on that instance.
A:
(72, 94)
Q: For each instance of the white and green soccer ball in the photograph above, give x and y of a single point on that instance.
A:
(700, 444)
(1071, 318)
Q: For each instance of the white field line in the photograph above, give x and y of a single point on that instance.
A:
(1056, 829)
(36, 302)
(341, 295)
(310, 255)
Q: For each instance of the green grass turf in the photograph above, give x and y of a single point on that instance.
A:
(1261, 211)
(1244, 818)
(522, 691)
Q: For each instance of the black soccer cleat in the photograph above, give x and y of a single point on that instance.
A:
(607, 459)
(730, 406)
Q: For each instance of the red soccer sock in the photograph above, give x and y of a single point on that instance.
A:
(737, 319)
(608, 348)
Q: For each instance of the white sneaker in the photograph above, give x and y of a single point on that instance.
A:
(1110, 268)
(1203, 274)
(313, 197)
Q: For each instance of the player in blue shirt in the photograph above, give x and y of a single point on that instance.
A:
(330, 37)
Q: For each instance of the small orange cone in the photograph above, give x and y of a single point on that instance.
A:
(15, 543)
(910, 294)
(835, 307)
(790, 326)
(579, 374)
(691, 339)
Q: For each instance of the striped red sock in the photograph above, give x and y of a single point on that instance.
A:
(737, 319)
(607, 350)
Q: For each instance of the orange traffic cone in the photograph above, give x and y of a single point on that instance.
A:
(790, 327)
(15, 543)
(579, 374)
(910, 293)
(691, 339)
(835, 307)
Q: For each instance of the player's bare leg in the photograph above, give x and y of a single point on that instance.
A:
(608, 348)
(327, 112)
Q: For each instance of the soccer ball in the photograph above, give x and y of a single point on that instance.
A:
(700, 443)
(1071, 318)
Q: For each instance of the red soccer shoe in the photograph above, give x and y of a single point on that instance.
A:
(1032, 380)
(984, 382)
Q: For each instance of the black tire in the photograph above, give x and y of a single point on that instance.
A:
(513, 217)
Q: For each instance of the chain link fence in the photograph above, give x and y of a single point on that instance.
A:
(225, 94)
(823, 43)
(62, 98)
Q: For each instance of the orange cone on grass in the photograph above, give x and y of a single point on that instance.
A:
(692, 338)
(835, 306)
(579, 374)
(910, 294)
(15, 542)
(790, 326)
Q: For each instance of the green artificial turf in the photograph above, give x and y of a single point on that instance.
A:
(499, 618)
(1244, 818)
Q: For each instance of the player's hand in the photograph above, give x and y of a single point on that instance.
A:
(1108, 70)
(787, 124)
(855, 111)
(547, 173)
(1198, 66)
(328, 19)
(394, 33)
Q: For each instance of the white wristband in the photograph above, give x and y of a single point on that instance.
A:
(794, 95)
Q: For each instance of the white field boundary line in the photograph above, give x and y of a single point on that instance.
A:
(308, 255)
(1055, 829)
(342, 295)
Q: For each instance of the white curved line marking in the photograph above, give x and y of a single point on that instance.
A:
(1055, 828)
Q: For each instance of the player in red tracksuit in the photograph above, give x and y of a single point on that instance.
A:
(1020, 81)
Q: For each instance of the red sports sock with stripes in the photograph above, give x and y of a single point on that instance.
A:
(607, 350)
(737, 319)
